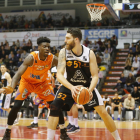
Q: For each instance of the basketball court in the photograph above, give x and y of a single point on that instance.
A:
(90, 130)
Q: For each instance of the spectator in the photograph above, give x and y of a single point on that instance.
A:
(106, 57)
(10, 55)
(136, 96)
(116, 106)
(109, 49)
(95, 46)
(137, 49)
(15, 50)
(7, 46)
(54, 51)
(130, 79)
(6, 60)
(24, 55)
(106, 42)
(137, 83)
(19, 62)
(121, 82)
(138, 58)
(1, 62)
(57, 53)
(129, 105)
(23, 43)
(29, 45)
(133, 49)
(13, 60)
(90, 45)
(18, 55)
(86, 41)
(18, 43)
(136, 64)
(103, 47)
(98, 59)
(133, 71)
(100, 42)
(3, 55)
(128, 64)
(130, 56)
(107, 103)
(13, 45)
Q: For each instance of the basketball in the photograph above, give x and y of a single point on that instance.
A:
(83, 97)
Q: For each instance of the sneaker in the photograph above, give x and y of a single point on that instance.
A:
(64, 135)
(113, 118)
(69, 126)
(15, 122)
(118, 119)
(74, 129)
(33, 125)
(7, 135)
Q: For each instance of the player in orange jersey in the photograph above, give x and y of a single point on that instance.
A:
(33, 73)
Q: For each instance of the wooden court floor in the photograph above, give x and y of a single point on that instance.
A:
(90, 130)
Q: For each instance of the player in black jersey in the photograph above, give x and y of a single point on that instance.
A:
(80, 64)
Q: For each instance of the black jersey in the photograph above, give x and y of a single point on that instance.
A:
(77, 67)
(4, 80)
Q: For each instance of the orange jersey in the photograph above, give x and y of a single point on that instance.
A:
(38, 72)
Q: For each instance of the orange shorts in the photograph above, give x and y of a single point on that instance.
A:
(43, 90)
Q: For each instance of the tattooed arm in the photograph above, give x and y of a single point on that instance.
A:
(27, 62)
(61, 70)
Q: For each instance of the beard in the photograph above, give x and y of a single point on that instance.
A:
(70, 46)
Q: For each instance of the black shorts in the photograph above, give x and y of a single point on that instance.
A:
(64, 100)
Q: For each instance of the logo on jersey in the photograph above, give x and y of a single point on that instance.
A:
(78, 77)
(92, 103)
(84, 58)
(69, 56)
(69, 63)
(47, 92)
(34, 76)
(24, 93)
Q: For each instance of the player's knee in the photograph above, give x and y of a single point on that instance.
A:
(54, 111)
(104, 113)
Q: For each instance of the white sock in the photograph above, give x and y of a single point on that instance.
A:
(116, 136)
(35, 119)
(50, 134)
(119, 116)
(86, 115)
(76, 122)
(70, 118)
(8, 126)
(95, 115)
(112, 115)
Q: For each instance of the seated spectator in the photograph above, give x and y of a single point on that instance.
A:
(18, 55)
(19, 62)
(90, 45)
(86, 41)
(106, 57)
(98, 59)
(6, 60)
(95, 46)
(10, 55)
(18, 43)
(106, 42)
(136, 64)
(1, 62)
(109, 49)
(133, 71)
(13, 60)
(136, 96)
(15, 50)
(53, 50)
(137, 49)
(121, 82)
(137, 83)
(136, 56)
(107, 103)
(7, 46)
(128, 64)
(129, 105)
(103, 47)
(29, 45)
(130, 56)
(23, 43)
(13, 45)
(57, 53)
(116, 106)
(129, 80)
(24, 55)
(100, 42)
(3, 54)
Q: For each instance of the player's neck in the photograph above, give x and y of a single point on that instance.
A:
(43, 58)
(77, 50)
(3, 73)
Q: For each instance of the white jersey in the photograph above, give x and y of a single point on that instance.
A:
(4, 80)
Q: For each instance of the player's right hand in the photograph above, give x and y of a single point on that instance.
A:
(1, 90)
(75, 90)
(8, 90)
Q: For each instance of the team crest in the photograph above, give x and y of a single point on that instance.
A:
(24, 93)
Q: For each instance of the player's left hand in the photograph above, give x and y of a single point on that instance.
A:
(1, 90)
(8, 90)
(91, 95)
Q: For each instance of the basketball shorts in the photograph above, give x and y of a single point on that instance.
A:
(43, 90)
(6, 101)
(64, 100)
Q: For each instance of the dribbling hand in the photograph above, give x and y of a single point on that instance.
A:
(8, 90)
(75, 90)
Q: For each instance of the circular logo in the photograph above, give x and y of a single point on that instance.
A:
(138, 6)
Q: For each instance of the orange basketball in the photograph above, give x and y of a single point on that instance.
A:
(83, 97)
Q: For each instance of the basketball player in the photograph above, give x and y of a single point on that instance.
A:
(6, 81)
(80, 64)
(33, 73)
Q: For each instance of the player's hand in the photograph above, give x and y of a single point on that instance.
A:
(1, 90)
(53, 83)
(91, 95)
(75, 90)
(8, 90)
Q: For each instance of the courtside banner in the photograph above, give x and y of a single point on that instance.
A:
(110, 83)
(122, 53)
(119, 62)
(121, 57)
(112, 78)
(32, 15)
(115, 72)
(117, 67)
(109, 90)
(100, 33)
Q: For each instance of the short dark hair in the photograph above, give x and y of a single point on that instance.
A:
(3, 65)
(75, 32)
(43, 39)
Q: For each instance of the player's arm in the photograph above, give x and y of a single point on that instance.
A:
(27, 62)
(61, 69)
(8, 77)
(55, 61)
(93, 71)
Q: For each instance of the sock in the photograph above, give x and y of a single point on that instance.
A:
(112, 115)
(95, 115)
(119, 116)
(35, 119)
(8, 126)
(86, 115)
(76, 122)
(70, 118)
(116, 136)
(62, 126)
(50, 134)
